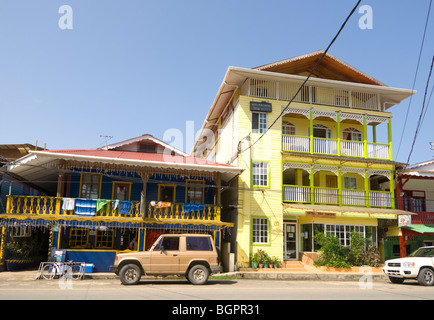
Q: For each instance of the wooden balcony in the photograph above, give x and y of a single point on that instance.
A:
(129, 210)
(336, 147)
(334, 196)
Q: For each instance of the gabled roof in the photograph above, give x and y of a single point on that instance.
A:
(330, 68)
(423, 169)
(41, 165)
(147, 138)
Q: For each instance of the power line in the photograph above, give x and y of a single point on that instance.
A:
(307, 78)
(414, 80)
(422, 112)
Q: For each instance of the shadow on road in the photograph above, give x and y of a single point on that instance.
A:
(184, 282)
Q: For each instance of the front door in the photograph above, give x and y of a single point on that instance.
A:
(290, 242)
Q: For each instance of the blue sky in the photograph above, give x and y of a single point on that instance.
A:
(133, 67)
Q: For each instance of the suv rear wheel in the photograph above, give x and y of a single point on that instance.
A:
(198, 274)
(130, 274)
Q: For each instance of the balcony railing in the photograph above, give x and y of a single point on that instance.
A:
(314, 94)
(334, 196)
(55, 206)
(293, 143)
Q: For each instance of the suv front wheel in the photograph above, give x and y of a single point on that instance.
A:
(198, 274)
(426, 277)
(130, 274)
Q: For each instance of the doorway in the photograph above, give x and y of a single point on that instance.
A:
(290, 251)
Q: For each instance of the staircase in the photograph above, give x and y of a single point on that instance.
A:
(292, 266)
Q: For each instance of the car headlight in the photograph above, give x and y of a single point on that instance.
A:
(408, 264)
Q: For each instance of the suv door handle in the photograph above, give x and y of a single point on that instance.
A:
(175, 255)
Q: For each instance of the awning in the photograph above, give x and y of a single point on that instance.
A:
(103, 223)
(421, 228)
(343, 211)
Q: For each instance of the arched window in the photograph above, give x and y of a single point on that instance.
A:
(288, 128)
(352, 134)
(321, 131)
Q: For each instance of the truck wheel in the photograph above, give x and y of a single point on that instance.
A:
(198, 274)
(396, 280)
(130, 274)
(426, 277)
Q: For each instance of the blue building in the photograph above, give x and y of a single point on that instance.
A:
(120, 197)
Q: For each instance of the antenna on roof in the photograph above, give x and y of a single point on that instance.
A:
(432, 145)
(107, 138)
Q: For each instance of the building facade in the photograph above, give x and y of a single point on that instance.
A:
(414, 194)
(317, 157)
(120, 197)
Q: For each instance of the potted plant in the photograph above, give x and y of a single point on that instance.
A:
(267, 261)
(275, 261)
(261, 258)
(254, 259)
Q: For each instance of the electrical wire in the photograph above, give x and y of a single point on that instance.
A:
(414, 80)
(422, 112)
(307, 78)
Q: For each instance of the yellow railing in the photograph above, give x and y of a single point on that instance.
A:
(54, 206)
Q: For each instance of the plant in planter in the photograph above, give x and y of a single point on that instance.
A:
(275, 261)
(261, 256)
(254, 259)
(269, 261)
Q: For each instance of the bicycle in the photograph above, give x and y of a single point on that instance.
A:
(70, 270)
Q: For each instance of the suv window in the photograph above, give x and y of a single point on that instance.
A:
(198, 244)
(168, 243)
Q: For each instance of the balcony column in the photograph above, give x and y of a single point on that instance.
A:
(312, 186)
(338, 132)
(60, 177)
(145, 178)
(339, 186)
(367, 187)
(311, 131)
(392, 190)
(389, 131)
(218, 182)
(365, 137)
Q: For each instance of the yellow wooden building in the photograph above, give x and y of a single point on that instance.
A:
(317, 158)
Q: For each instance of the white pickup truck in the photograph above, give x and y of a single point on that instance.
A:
(418, 265)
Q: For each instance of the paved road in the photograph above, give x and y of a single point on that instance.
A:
(238, 289)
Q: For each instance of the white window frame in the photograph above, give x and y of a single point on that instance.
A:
(260, 230)
(262, 122)
(288, 128)
(343, 232)
(350, 183)
(260, 174)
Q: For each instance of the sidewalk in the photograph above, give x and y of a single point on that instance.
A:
(244, 273)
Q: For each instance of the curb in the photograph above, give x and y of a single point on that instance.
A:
(307, 276)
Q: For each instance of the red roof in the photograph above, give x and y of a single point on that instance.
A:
(139, 156)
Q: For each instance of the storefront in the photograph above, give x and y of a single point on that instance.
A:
(303, 222)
